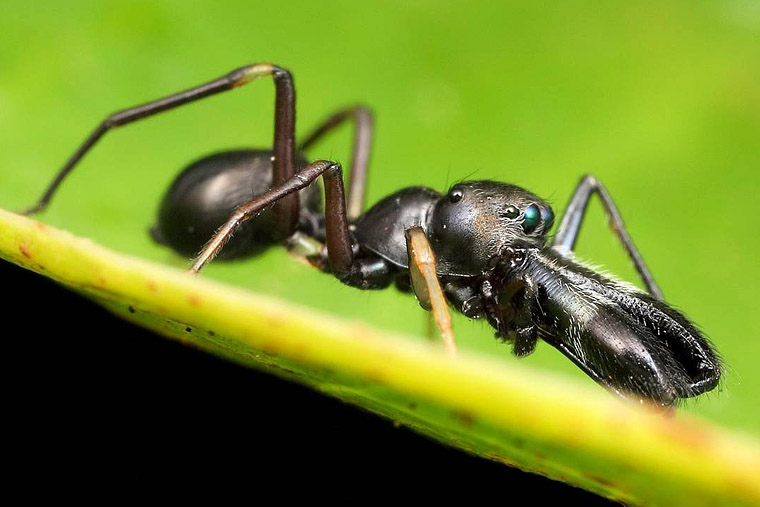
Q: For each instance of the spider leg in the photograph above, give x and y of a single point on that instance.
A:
(357, 174)
(427, 288)
(339, 248)
(526, 333)
(430, 326)
(693, 355)
(569, 227)
(284, 163)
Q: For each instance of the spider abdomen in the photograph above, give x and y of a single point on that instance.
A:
(204, 195)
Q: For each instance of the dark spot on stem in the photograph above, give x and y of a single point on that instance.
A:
(464, 418)
(24, 251)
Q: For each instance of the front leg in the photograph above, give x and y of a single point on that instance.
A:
(570, 226)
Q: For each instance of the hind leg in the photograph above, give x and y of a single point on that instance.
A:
(357, 173)
(284, 160)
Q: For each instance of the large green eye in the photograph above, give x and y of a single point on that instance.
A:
(548, 216)
(532, 218)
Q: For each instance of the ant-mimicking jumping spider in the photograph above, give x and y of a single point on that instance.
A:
(482, 247)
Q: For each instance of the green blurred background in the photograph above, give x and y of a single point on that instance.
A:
(660, 100)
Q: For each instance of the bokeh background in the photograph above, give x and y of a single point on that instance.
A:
(660, 100)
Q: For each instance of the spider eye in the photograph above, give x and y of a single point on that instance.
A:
(532, 218)
(510, 212)
(548, 216)
(456, 195)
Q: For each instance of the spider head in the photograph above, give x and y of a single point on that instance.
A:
(476, 220)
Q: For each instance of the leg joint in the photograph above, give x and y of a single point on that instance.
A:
(590, 180)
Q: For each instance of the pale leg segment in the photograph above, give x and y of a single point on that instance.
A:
(427, 288)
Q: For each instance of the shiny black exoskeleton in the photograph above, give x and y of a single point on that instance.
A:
(490, 243)
(482, 245)
(203, 196)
